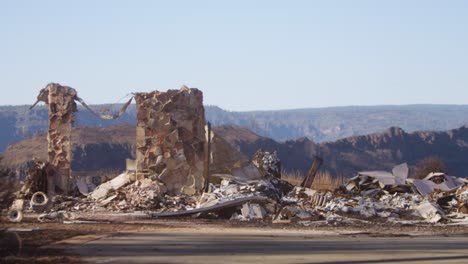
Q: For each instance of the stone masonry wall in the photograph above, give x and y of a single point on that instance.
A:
(170, 138)
(61, 117)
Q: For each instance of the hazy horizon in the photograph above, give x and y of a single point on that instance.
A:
(41, 104)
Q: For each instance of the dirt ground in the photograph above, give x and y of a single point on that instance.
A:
(24, 242)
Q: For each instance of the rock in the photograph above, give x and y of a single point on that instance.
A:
(102, 190)
(119, 181)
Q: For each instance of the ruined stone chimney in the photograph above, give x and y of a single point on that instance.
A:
(170, 138)
(61, 103)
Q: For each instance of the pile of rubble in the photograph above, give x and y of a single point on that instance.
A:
(256, 192)
(122, 194)
(171, 176)
(437, 197)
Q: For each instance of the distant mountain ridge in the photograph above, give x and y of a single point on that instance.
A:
(107, 148)
(377, 151)
(317, 124)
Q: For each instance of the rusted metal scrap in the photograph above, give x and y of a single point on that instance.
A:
(170, 139)
(108, 117)
(216, 207)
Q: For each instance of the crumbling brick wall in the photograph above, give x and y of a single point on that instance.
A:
(170, 138)
(61, 104)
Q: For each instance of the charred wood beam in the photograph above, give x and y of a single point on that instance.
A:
(312, 172)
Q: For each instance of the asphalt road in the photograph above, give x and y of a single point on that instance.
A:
(269, 246)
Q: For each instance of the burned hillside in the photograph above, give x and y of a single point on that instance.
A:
(370, 152)
(344, 157)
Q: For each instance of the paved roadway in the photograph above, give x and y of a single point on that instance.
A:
(269, 246)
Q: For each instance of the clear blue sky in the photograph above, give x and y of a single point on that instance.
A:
(244, 55)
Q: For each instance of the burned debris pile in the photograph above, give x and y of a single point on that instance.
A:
(171, 177)
(433, 198)
(262, 195)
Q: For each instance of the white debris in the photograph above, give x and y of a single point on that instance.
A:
(82, 186)
(102, 190)
(430, 211)
(371, 180)
(436, 181)
(401, 173)
(367, 211)
(253, 211)
(108, 200)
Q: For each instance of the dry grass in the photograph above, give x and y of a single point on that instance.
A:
(293, 177)
(323, 180)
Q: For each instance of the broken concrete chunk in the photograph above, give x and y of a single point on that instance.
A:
(102, 190)
(108, 200)
(120, 181)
